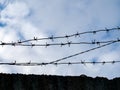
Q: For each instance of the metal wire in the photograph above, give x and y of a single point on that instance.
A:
(67, 57)
(55, 62)
(68, 36)
(61, 63)
(69, 43)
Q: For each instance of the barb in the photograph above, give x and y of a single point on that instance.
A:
(69, 43)
(64, 58)
(62, 63)
(68, 36)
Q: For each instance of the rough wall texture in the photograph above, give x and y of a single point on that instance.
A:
(43, 82)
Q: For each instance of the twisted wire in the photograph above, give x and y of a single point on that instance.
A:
(57, 62)
(60, 63)
(69, 43)
(68, 36)
(70, 56)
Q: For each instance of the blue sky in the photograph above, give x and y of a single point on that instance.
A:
(24, 19)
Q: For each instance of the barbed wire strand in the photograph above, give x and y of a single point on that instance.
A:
(64, 58)
(68, 36)
(69, 43)
(61, 63)
(85, 62)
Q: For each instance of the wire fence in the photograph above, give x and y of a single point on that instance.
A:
(69, 43)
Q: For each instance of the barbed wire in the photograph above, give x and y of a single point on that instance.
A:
(69, 43)
(68, 36)
(70, 56)
(57, 62)
(61, 63)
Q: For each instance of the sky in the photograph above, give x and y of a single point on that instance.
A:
(25, 19)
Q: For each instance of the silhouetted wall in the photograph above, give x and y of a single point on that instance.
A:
(43, 82)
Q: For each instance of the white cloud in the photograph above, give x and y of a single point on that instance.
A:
(16, 11)
(41, 18)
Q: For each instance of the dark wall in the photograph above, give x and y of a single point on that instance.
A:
(43, 82)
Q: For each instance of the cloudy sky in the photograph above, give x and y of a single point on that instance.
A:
(25, 19)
